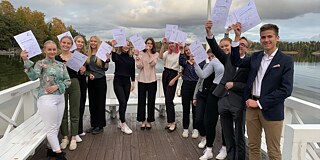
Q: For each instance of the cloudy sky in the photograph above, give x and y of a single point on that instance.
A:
(298, 20)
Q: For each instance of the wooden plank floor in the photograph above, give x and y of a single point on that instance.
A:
(155, 144)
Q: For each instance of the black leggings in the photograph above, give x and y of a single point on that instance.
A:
(121, 87)
(187, 90)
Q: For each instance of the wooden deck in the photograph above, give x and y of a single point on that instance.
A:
(155, 144)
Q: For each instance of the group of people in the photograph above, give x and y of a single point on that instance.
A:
(237, 87)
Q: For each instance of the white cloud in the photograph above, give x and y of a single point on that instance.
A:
(98, 17)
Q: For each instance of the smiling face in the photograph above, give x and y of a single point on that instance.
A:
(50, 49)
(93, 43)
(268, 40)
(225, 46)
(65, 44)
(187, 51)
(79, 43)
(244, 47)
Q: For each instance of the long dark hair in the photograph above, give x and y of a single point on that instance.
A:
(153, 50)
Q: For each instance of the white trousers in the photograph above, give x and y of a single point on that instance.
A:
(51, 108)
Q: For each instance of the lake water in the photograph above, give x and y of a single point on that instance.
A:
(306, 77)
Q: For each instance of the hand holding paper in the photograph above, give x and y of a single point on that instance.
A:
(28, 42)
(138, 42)
(76, 61)
(119, 36)
(198, 52)
(103, 50)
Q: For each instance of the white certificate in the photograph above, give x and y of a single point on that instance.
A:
(220, 12)
(76, 61)
(103, 50)
(169, 28)
(119, 36)
(178, 36)
(248, 16)
(138, 42)
(73, 47)
(232, 19)
(198, 52)
(28, 42)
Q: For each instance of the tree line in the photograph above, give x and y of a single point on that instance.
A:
(15, 21)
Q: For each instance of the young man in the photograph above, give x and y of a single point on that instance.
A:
(230, 91)
(270, 82)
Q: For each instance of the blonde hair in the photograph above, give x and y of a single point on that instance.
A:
(97, 60)
(119, 50)
(83, 49)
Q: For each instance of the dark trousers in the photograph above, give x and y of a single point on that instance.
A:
(83, 97)
(144, 90)
(234, 135)
(121, 87)
(201, 106)
(169, 92)
(97, 101)
(187, 90)
(211, 116)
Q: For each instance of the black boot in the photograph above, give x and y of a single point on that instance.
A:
(61, 156)
(50, 153)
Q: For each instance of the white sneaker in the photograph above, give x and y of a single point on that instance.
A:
(207, 154)
(203, 142)
(185, 133)
(195, 133)
(78, 139)
(222, 153)
(73, 145)
(64, 143)
(82, 134)
(119, 124)
(125, 129)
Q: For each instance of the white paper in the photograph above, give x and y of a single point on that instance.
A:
(232, 19)
(178, 36)
(248, 16)
(76, 61)
(119, 36)
(198, 52)
(169, 28)
(28, 42)
(220, 12)
(74, 46)
(138, 42)
(103, 50)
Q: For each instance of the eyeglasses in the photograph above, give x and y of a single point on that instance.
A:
(243, 45)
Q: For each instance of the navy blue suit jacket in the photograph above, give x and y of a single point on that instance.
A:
(277, 82)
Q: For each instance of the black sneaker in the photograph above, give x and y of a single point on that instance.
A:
(61, 156)
(97, 130)
(50, 153)
(90, 130)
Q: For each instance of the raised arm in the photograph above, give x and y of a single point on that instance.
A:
(164, 41)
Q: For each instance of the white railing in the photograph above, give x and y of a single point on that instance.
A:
(299, 137)
(300, 140)
(16, 105)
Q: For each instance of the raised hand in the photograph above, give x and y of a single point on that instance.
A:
(164, 40)
(113, 42)
(208, 27)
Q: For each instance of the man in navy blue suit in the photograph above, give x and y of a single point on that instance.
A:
(270, 82)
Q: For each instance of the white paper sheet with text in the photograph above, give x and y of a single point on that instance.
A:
(28, 42)
(220, 13)
(74, 46)
(120, 36)
(76, 61)
(198, 52)
(138, 42)
(178, 36)
(169, 28)
(104, 49)
(248, 16)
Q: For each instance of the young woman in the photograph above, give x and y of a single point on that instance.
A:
(189, 82)
(200, 99)
(72, 95)
(147, 82)
(79, 40)
(170, 76)
(123, 82)
(54, 80)
(97, 87)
